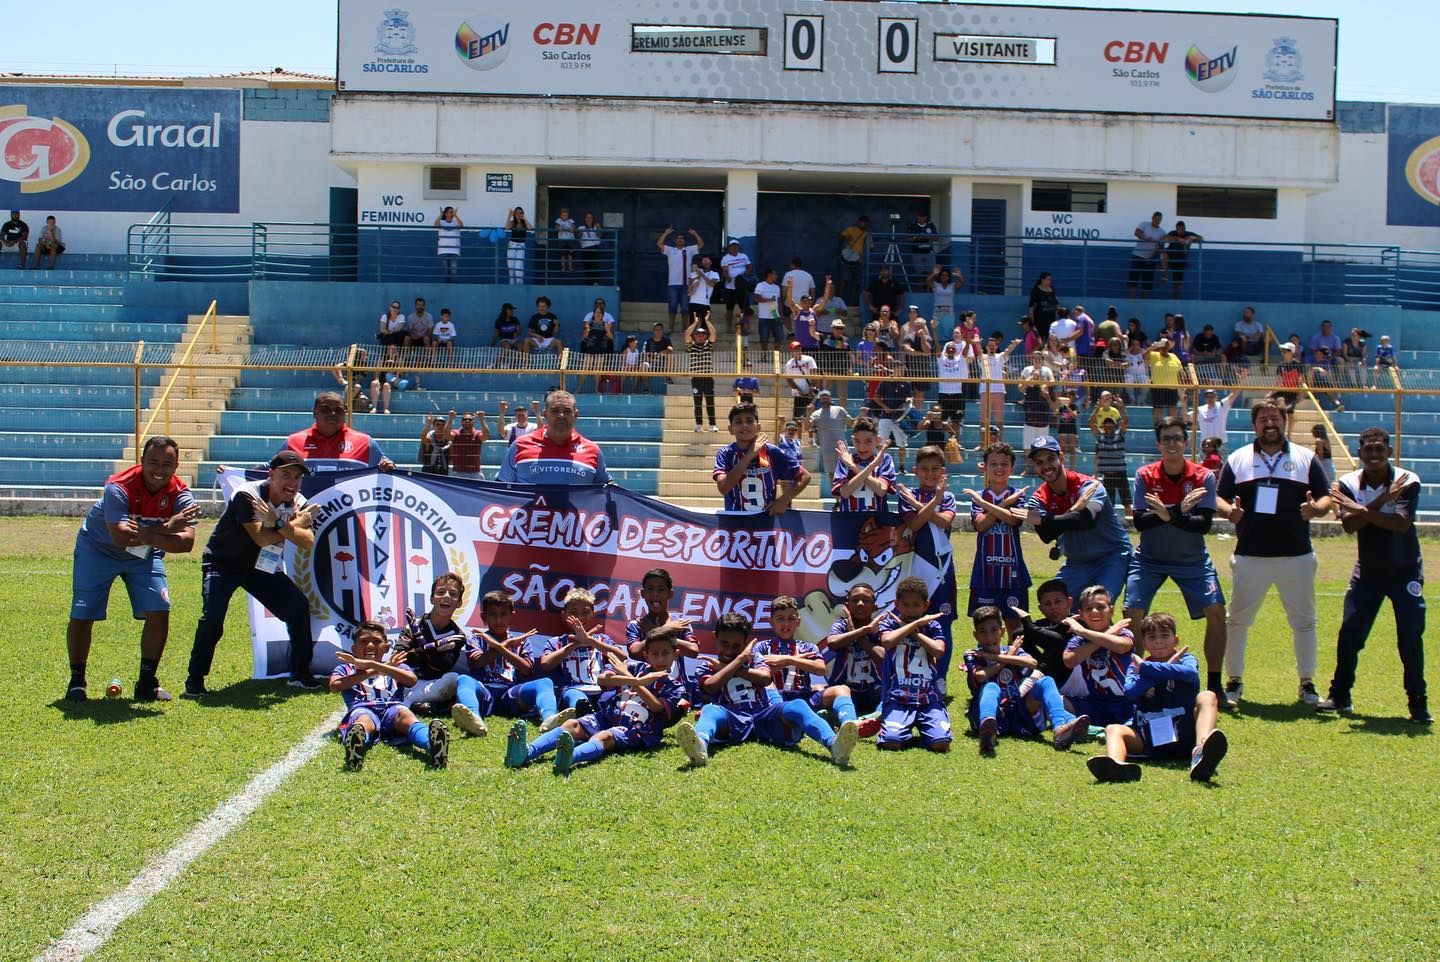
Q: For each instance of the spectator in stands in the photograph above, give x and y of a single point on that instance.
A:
(434, 455)
(660, 350)
(796, 284)
(420, 334)
(806, 319)
(917, 349)
(884, 294)
(1235, 355)
(631, 364)
(700, 363)
(1323, 375)
(355, 381)
(746, 387)
(518, 228)
(1385, 356)
(1037, 382)
(1175, 255)
(521, 425)
(15, 233)
(589, 262)
(734, 284)
(558, 455)
(1066, 330)
(1212, 416)
(1205, 350)
(1353, 357)
(942, 285)
(507, 330)
(835, 359)
(447, 228)
(1252, 331)
(678, 256)
(392, 331)
(467, 445)
(1044, 305)
(600, 317)
(597, 348)
(922, 245)
(1137, 369)
(1134, 330)
(544, 328)
(1165, 373)
(829, 423)
(1179, 338)
(49, 242)
(800, 371)
(1288, 374)
(1146, 254)
(887, 329)
(144, 512)
(245, 551)
(1326, 338)
(1085, 340)
(700, 287)
(565, 240)
(893, 402)
(854, 242)
(767, 310)
(332, 445)
(1113, 360)
(1108, 330)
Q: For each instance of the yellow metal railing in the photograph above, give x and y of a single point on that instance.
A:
(164, 401)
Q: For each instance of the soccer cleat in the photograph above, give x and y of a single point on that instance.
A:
(194, 688)
(989, 736)
(516, 747)
(692, 744)
(564, 754)
(1420, 714)
(1107, 769)
(869, 726)
(844, 743)
(76, 693)
(439, 744)
(150, 690)
(303, 682)
(556, 720)
(1234, 688)
(1206, 757)
(355, 743)
(1066, 734)
(1307, 693)
(1333, 704)
(467, 721)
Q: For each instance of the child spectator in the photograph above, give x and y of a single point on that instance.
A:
(853, 657)
(700, 353)
(1171, 716)
(1067, 426)
(444, 334)
(863, 480)
(576, 658)
(502, 664)
(432, 647)
(1385, 355)
(630, 364)
(50, 242)
(1137, 370)
(1045, 640)
(1108, 405)
(1321, 444)
(752, 474)
(998, 577)
(638, 699)
(1211, 448)
(370, 683)
(1102, 653)
(737, 682)
(1008, 695)
(1110, 464)
(747, 386)
(914, 644)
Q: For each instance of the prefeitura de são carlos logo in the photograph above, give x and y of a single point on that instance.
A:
(39, 153)
(395, 49)
(379, 544)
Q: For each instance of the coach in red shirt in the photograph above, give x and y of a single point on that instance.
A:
(332, 445)
(558, 454)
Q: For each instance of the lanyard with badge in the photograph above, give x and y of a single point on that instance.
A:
(1267, 494)
(272, 556)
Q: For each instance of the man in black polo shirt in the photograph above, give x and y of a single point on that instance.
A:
(1271, 490)
(884, 292)
(1378, 503)
(247, 550)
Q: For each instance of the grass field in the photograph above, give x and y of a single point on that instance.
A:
(1319, 838)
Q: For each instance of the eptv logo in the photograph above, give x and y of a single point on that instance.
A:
(39, 153)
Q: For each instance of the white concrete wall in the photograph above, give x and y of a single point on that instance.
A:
(394, 193)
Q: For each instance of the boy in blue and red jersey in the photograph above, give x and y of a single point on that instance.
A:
(913, 643)
(1102, 653)
(1007, 695)
(370, 683)
(638, 701)
(737, 683)
(1171, 715)
(505, 668)
(998, 578)
(863, 480)
(853, 657)
(657, 589)
(144, 512)
(932, 505)
(576, 659)
(753, 474)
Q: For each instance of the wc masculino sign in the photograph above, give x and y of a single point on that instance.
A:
(119, 149)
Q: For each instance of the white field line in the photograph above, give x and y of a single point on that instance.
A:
(96, 926)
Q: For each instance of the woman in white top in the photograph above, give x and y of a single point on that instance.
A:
(1137, 370)
(518, 226)
(952, 368)
(942, 284)
(589, 260)
(565, 239)
(992, 393)
(598, 315)
(392, 330)
(448, 225)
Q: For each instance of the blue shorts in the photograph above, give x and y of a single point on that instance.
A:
(1198, 583)
(94, 572)
(627, 737)
(866, 701)
(1002, 598)
(1110, 571)
(765, 725)
(675, 299)
(772, 329)
(815, 699)
(898, 722)
(385, 720)
(1104, 711)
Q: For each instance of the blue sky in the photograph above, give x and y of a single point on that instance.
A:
(1385, 45)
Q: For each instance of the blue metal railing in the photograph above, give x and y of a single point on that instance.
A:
(349, 252)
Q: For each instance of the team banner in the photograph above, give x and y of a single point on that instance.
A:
(381, 539)
(808, 51)
(119, 149)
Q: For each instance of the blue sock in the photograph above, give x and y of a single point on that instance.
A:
(1054, 704)
(844, 708)
(709, 721)
(588, 752)
(572, 697)
(544, 743)
(800, 715)
(419, 735)
(989, 701)
(465, 693)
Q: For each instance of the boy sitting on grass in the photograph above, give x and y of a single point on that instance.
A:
(576, 659)
(740, 709)
(370, 684)
(1102, 653)
(498, 660)
(913, 647)
(1171, 714)
(793, 662)
(853, 657)
(931, 503)
(432, 647)
(1007, 695)
(657, 589)
(639, 699)
(1045, 640)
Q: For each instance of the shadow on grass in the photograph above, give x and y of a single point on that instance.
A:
(106, 711)
(1283, 712)
(1377, 725)
(254, 694)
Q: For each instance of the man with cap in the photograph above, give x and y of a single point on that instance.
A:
(1288, 374)
(828, 424)
(247, 551)
(834, 358)
(735, 289)
(332, 445)
(15, 233)
(1211, 416)
(1074, 509)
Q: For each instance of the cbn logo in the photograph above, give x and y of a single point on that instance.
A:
(39, 153)
(1422, 170)
(1211, 72)
(482, 43)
